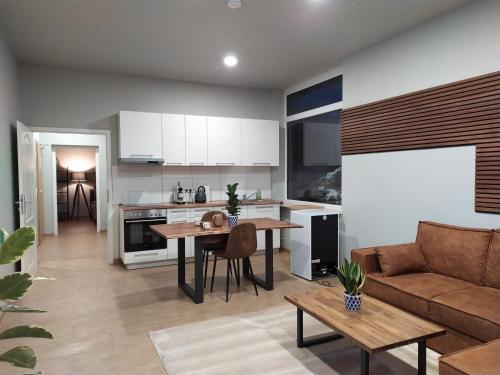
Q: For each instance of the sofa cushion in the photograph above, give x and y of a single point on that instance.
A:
(478, 360)
(474, 311)
(492, 273)
(454, 251)
(398, 259)
(413, 291)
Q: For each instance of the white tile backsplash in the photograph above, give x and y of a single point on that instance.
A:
(150, 184)
(146, 197)
(146, 183)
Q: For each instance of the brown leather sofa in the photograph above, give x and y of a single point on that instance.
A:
(455, 284)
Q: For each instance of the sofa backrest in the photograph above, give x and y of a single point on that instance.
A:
(454, 251)
(492, 272)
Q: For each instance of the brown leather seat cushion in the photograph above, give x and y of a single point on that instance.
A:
(454, 251)
(412, 291)
(492, 274)
(479, 360)
(474, 311)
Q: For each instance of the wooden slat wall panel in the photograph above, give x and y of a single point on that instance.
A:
(460, 113)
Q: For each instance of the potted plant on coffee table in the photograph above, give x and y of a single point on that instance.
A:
(232, 204)
(352, 277)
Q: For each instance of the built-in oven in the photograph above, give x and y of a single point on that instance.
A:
(138, 242)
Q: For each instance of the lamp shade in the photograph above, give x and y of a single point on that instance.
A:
(78, 176)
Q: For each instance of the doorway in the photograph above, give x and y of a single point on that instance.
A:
(76, 196)
(69, 161)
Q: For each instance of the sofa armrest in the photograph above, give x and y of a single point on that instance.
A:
(367, 259)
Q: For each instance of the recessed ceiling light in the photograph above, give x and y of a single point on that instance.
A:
(230, 60)
(234, 4)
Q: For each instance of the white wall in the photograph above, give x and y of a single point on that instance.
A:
(47, 141)
(385, 194)
(79, 99)
(463, 44)
(8, 116)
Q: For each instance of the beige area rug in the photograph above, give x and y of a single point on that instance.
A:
(264, 343)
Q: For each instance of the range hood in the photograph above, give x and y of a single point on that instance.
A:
(140, 159)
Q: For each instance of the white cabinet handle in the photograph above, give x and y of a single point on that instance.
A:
(196, 163)
(225, 163)
(263, 207)
(141, 155)
(168, 163)
(261, 163)
(144, 255)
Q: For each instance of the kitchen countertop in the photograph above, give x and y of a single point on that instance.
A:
(170, 205)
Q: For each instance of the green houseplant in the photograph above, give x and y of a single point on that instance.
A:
(232, 204)
(352, 277)
(12, 288)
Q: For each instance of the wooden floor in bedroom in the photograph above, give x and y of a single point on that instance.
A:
(101, 314)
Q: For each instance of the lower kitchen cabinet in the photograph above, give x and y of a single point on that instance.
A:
(175, 216)
(190, 215)
(270, 211)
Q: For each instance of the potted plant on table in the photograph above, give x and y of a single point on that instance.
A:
(233, 204)
(352, 277)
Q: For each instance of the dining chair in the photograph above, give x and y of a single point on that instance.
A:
(241, 244)
(213, 242)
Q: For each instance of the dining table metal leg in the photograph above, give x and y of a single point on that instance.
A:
(196, 293)
(268, 282)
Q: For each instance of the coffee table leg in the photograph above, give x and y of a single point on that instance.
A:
(301, 343)
(422, 357)
(365, 362)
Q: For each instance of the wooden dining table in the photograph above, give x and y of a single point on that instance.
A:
(182, 230)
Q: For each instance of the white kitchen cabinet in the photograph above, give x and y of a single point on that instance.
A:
(140, 136)
(224, 141)
(196, 140)
(271, 211)
(174, 139)
(260, 142)
(175, 216)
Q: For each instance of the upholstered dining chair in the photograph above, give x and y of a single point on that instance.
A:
(241, 244)
(212, 243)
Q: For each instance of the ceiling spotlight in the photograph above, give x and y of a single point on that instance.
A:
(234, 4)
(230, 60)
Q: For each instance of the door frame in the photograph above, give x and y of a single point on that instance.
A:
(107, 133)
(21, 196)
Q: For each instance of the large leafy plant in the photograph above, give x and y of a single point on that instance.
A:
(233, 203)
(351, 276)
(12, 288)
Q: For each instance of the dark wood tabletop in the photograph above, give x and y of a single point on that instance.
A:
(180, 230)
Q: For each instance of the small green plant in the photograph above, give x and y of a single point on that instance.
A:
(233, 203)
(351, 276)
(13, 287)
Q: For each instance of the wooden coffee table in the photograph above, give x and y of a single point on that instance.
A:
(377, 327)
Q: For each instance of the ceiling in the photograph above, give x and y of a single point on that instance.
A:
(278, 42)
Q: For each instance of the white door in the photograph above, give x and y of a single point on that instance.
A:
(27, 189)
(224, 141)
(260, 142)
(196, 140)
(174, 139)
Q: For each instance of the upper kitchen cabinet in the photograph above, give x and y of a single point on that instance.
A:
(140, 137)
(224, 141)
(196, 140)
(174, 139)
(260, 142)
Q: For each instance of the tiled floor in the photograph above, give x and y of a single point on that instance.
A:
(100, 315)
